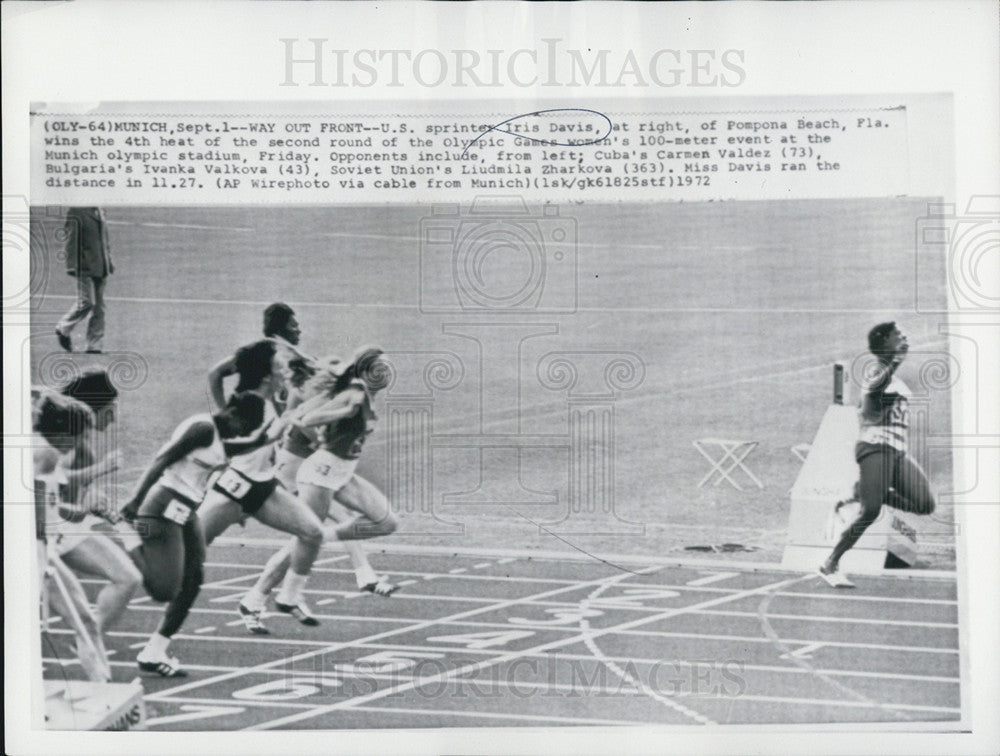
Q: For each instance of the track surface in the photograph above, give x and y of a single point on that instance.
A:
(473, 640)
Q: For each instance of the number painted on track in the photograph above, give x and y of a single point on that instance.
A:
(635, 598)
(382, 663)
(561, 616)
(489, 639)
(288, 689)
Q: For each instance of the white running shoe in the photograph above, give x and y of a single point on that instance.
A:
(835, 578)
(252, 620)
(381, 587)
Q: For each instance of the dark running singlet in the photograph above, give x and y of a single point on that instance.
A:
(345, 438)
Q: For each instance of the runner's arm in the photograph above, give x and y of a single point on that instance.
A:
(308, 405)
(343, 405)
(78, 477)
(882, 376)
(197, 436)
(220, 371)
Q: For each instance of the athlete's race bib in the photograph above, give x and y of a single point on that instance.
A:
(233, 484)
(177, 512)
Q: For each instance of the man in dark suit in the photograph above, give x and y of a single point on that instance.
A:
(88, 259)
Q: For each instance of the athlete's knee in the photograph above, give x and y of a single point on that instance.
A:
(387, 525)
(160, 589)
(869, 513)
(867, 517)
(127, 577)
(310, 533)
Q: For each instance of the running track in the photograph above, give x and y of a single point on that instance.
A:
(491, 640)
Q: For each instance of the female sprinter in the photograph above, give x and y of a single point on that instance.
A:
(59, 425)
(888, 475)
(248, 486)
(339, 407)
(91, 550)
(164, 506)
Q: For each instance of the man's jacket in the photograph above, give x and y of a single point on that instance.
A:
(87, 250)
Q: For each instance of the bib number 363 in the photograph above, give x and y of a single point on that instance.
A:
(233, 484)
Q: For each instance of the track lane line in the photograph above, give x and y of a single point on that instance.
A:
(788, 653)
(433, 598)
(416, 625)
(685, 587)
(413, 684)
(624, 675)
(793, 670)
(248, 639)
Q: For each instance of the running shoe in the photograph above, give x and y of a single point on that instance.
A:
(165, 667)
(252, 620)
(835, 578)
(300, 611)
(381, 587)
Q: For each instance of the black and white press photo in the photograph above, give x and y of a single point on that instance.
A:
(615, 397)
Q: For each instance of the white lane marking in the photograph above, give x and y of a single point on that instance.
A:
(410, 627)
(625, 676)
(575, 657)
(193, 712)
(782, 645)
(845, 596)
(435, 598)
(206, 629)
(712, 577)
(805, 652)
(478, 666)
(458, 571)
(567, 557)
(851, 620)
(524, 685)
(438, 713)
(228, 598)
(225, 701)
(482, 565)
(324, 602)
(637, 633)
